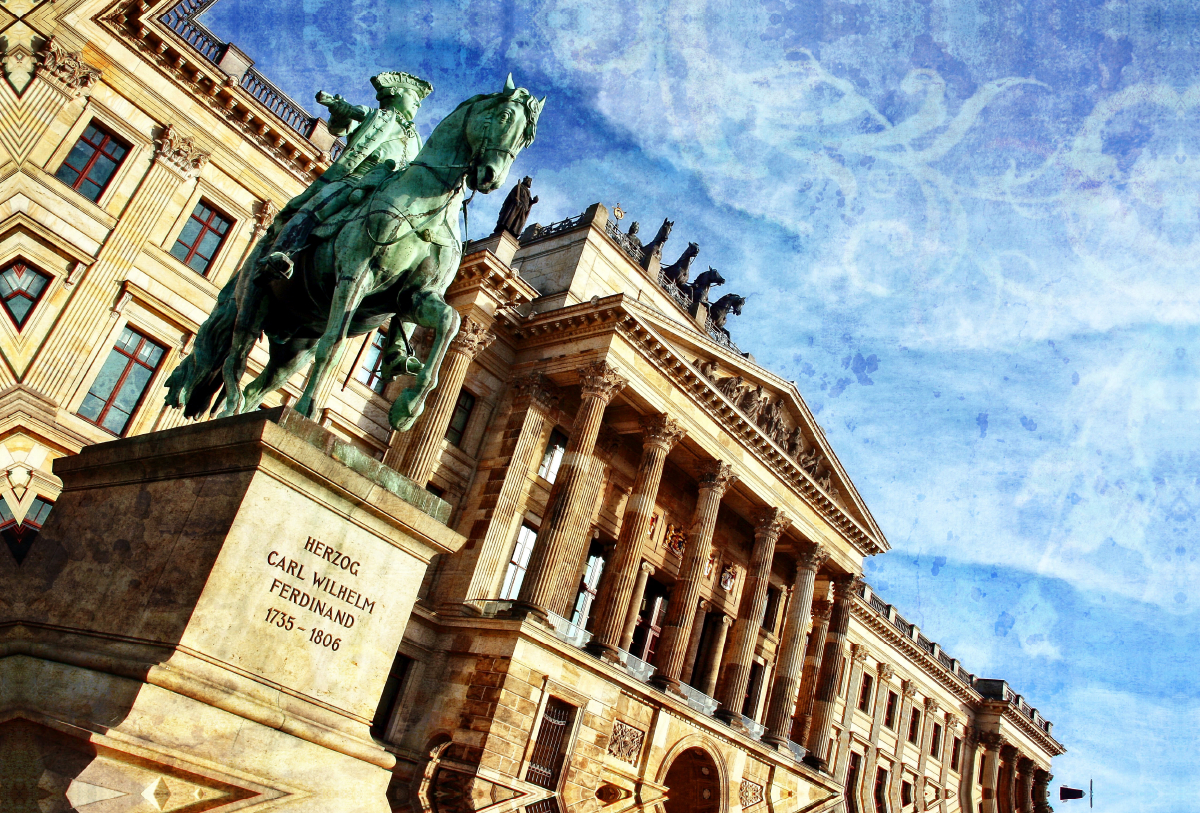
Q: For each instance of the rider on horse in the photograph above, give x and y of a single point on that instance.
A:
(376, 135)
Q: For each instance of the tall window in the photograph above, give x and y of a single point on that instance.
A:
(935, 742)
(650, 620)
(768, 622)
(889, 714)
(881, 776)
(202, 235)
(122, 381)
(852, 782)
(753, 687)
(588, 586)
(864, 694)
(370, 372)
(93, 161)
(515, 574)
(552, 458)
(906, 794)
(19, 536)
(549, 749)
(463, 408)
(21, 287)
(914, 726)
(392, 688)
(954, 754)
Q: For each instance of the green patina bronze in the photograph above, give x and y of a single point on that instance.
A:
(379, 241)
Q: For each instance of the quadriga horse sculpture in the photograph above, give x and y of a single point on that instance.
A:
(719, 312)
(392, 255)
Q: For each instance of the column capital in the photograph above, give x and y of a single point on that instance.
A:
(1008, 750)
(908, 689)
(538, 389)
(885, 671)
(769, 523)
(859, 653)
(725, 619)
(471, 339)
(822, 609)
(647, 568)
(931, 706)
(991, 740)
(717, 475)
(660, 430)
(600, 380)
(812, 557)
(844, 586)
(705, 606)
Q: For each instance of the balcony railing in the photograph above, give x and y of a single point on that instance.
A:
(564, 630)
(537, 231)
(638, 668)
(181, 19)
(698, 700)
(631, 249)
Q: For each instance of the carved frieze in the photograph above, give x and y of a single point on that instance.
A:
(66, 67)
(626, 742)
(179, 151)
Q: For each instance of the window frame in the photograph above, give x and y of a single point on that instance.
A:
(551, 462)
(37, 271)
(914, 727)
(956, 754)
(889, 711)
(514, 566)
(865, 692)
(935, 742)
(375, 375)
(111, 133)
(205, 227)
(113, 347)
(466, 422)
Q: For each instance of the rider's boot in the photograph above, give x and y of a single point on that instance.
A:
(293, 237)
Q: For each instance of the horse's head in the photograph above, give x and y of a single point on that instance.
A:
(710, 277)
(498, 127)
(664, 231)
(736, 303)
(691, 251)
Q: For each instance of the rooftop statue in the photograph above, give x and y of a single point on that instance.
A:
(515, 209)
(718, 312)
(678, 272)
(698, 291)
(654, 248)
(390, 253)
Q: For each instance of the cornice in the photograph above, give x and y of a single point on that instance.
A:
(1012, 715)
(482, 270)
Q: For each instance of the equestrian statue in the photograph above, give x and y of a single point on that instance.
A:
(384, 246)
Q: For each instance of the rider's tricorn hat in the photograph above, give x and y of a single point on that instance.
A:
(390, 83)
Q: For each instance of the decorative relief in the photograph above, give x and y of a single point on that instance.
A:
(728, 577)
(66, 67)
(626, 742)
(710, 564)
(859, 653)
(676, 540)
(931, 706)
(264, 217)
(180, 151)
(750, 793)
(653, 526)
(908, 689)
(885, 671)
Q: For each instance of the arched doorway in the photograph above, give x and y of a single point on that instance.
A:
(693, 784)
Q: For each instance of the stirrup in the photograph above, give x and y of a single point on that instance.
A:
(278, 264)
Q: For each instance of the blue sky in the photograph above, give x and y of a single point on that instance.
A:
(967, 229)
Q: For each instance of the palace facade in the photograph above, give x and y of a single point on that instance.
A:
(659, 606)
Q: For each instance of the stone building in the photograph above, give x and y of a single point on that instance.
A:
(659, 605)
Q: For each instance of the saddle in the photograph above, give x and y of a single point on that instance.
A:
(343, 209)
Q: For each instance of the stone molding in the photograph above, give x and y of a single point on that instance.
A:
(179, 151)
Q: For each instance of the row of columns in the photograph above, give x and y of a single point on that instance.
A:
(1012, 782)
(564, 532)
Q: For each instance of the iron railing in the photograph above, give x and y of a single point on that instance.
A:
(537, 231)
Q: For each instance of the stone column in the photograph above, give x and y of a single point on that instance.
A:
(1024, 785)
(790, 669)
(966, 769)
(927, 722)
(645, 571)
(566, 516)
(689, 660)
(1008, 779)
(883, 684)
(712, 660)
(831, 669)
(425, 448)
(858, 657)
(715, 478)
(991, 742)
(802, 723)
(769, 524)
(659, 435)
(1041, 790)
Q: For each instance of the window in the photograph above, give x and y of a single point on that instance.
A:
(935, 742)
(92, 162)
(889, 714)
(914, 726)
(370, 372)
(753, 687)
(954, 754)
(768, 622)
(545, 763)
(458, 421)
(392, 688)
(588, 586)
(517, 564)
(864, 694)
(906, 796)
(202, 235)
(553, 456)
(122, 382)
(19, 536)
(852, 782)
(881, 777)
(651, 614)
(21, 287)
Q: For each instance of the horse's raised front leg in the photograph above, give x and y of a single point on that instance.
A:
(286, 359)
(431, 311)
(346, 298)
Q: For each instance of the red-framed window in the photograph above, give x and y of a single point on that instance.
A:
(118, 390)
(93, 161)
(935, 744)
(21, 288)
(889, 713)
(370, 372)
(914, 726)
(864, 693)
(954, 753)
(463, 408)
(201, 237)
(19, 536)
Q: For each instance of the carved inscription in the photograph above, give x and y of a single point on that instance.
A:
(319, 583)
(626, 742)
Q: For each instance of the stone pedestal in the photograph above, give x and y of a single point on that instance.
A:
(207, 620)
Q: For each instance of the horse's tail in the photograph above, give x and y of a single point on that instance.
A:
(197, 379)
